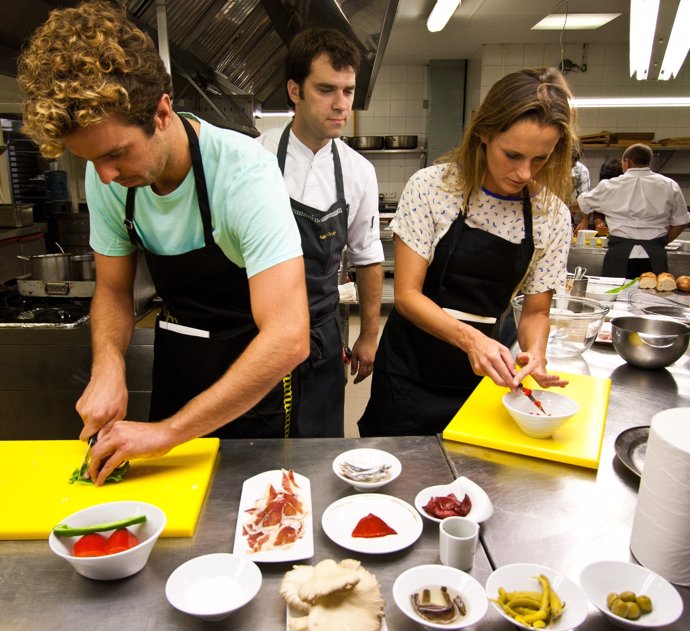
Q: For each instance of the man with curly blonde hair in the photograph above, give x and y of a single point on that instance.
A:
(213, 219)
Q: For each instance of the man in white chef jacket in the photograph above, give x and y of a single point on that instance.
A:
(644, 211)
(334, 198)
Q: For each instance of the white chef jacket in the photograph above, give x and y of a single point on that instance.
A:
(639, 204)
(310, 179)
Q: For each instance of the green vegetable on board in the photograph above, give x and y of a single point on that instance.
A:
(117, 475)
(63, 530)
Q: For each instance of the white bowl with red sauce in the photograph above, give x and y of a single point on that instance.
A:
(481, 506)
(532, 420)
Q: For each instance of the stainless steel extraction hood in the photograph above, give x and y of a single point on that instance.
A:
(227, 56)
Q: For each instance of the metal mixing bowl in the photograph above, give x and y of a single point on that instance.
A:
(649, 342)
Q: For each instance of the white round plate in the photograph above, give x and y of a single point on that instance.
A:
(341, 517)
(481, 510)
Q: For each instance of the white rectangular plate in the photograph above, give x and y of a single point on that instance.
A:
(252, 490)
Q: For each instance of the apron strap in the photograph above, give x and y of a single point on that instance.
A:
(201, 191)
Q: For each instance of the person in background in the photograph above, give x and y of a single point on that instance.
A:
(581, 183)
(611, 167)
(209, 209)
(644, 211)
(487, 221)
(334, 198)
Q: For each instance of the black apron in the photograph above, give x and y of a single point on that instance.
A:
(206, 321)
(318, 384)
(420, 381)
(617, 255)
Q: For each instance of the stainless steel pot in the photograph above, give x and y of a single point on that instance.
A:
(82, 267)
(401, 142)
(49, 266)
(366, 142)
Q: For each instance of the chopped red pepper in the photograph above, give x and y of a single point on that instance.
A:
(120, 541)
(92, 545)
(372, 526)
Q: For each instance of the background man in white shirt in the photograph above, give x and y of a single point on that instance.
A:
(644, 211)
(334, 198)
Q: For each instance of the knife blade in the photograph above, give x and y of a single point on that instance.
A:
(87, 456)
(528, 393)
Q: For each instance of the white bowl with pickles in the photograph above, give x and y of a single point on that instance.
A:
(534, 596)
(366, 469)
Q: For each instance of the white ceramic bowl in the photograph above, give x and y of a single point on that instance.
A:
(559, 407)
(416, 578)
(212, 586)
(365, 457)
(597, 291)
(523, 576)
(112, 566)
(603, 577)
(481, 510)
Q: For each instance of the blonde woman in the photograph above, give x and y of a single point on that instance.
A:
(487, 222)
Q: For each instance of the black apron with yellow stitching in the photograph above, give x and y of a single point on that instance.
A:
(206, 321)
(618, 252)
(420, 381)
(319, 382)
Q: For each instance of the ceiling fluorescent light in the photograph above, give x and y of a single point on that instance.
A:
(440, 14)
(678, 43)
(652, 101)
(574, 21)
(643, 14)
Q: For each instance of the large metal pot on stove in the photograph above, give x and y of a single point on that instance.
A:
(82, 266)
(49, 266)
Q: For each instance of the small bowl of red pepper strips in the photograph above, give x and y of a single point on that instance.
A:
(108, 541)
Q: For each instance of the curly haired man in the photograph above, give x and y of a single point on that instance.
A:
(209, 209)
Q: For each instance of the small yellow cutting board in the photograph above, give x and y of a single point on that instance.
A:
(484, 421)
(36, 494)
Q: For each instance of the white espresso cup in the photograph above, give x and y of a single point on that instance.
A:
(457, 543)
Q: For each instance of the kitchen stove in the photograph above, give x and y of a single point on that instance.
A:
(17, 311)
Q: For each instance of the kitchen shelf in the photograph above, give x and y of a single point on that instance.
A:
(420, 151)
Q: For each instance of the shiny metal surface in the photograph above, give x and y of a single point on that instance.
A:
(565, 516)
(39, 591)
(593, 259)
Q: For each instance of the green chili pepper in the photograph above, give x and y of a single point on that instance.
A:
(63, 530)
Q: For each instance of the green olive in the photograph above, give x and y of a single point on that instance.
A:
(628, 597)
(645, 603)
(633, 611)
(620, 608)
(610, 598)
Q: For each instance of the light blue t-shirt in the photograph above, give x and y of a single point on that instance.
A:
(250, 208)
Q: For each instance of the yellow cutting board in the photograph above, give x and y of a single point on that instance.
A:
(484, 421)
(36, 494)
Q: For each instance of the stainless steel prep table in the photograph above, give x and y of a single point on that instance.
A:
(564, 516)
(39, 591)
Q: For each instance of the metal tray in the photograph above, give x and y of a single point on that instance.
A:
(631, 448)
(56, 288)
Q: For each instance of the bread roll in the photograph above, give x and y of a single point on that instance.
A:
(648, 280)
(665, 282)
(683, 283)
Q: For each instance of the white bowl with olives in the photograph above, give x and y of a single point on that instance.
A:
(631, 596)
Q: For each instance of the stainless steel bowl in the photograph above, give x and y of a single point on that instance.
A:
(649, 342)
(401, 142)
(366, 142)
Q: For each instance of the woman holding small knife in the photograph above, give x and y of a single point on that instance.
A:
(485, 222)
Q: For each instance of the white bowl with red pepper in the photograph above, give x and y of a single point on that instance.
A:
(108, 541)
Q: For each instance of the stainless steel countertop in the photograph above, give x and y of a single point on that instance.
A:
(565, 516)
(40, 591)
